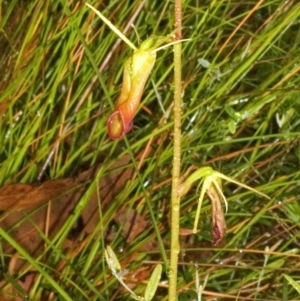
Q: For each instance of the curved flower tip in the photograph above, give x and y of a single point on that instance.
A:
(116, 127)
(136, 72)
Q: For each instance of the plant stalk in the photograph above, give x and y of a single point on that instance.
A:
(175, 197)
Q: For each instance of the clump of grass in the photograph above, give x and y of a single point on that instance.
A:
(240, 116)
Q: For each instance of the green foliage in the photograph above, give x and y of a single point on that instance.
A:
(295, 285)
(60, 77)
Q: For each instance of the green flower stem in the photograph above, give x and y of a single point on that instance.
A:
(175, 201)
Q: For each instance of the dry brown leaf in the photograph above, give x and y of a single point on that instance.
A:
(109, 186)
(14, 293)
(18, 197)
(24, 226)
(132, 223)
(33, 208)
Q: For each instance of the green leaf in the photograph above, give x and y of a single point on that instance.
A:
(277, 263)
(112, 259)
(153, 283)
(293, 283)
(231, 126)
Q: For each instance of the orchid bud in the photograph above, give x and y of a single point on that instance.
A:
(136, 72)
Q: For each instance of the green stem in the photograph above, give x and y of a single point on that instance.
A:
(175, 201)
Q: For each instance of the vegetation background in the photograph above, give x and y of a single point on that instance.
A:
(61, 71)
